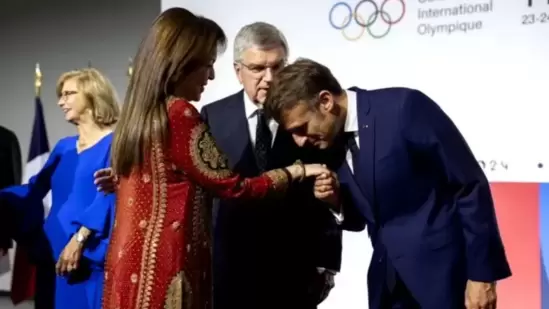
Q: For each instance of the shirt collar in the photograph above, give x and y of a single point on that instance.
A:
(250, 108)
(351, 121)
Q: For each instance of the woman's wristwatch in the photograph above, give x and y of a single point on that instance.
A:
(80, 238)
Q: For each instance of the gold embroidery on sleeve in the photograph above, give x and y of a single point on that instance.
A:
(279, 180)
(206, 156)
(179, 294)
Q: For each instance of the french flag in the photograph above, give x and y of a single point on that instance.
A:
(23, 284)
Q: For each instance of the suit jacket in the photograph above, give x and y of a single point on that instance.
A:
(426, 201)
(10, 174)
(266, 251)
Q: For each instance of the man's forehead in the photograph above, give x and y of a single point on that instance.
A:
(264, 55)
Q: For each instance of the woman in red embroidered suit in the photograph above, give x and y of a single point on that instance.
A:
(167, 163)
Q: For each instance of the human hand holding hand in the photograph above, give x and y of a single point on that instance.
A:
(300, 172)
(105, 180)
(314, 170)
(480, 295)
(326, 188)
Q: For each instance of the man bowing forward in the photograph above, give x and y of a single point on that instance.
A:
(405, 170)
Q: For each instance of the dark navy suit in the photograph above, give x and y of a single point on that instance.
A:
(10, 175)
(266, 253)
(425, 200)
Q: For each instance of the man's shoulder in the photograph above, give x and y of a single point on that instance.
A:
(7, 133)
(391, 99)
(222, 103)
(381, 93)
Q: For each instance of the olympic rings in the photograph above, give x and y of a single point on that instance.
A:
(355, 38)
(378, 13)
(372, 19)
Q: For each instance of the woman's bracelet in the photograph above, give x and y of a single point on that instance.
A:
(303, 171)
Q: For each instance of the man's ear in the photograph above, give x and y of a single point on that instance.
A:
(326, 101)
(238, 70)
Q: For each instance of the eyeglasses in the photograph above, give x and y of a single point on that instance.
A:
(66, 94)
(260, 70)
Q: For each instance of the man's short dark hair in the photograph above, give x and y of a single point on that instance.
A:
(299, 82)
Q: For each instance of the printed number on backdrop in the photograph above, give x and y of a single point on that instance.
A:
(493, 165)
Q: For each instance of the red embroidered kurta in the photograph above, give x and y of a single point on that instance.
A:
(161, 250)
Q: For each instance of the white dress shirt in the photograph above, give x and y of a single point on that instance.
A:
(250, 108)
(351, 124)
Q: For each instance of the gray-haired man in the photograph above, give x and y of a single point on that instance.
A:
(266, 254)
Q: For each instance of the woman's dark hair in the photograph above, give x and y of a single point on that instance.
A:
(177, 43)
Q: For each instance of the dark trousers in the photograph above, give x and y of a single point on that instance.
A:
(398, 297)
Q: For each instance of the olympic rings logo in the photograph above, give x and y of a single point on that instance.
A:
(379, 14)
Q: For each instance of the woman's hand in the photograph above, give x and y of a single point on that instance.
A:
(300, 171)
(105, 180)
(313, 170)
(70, 257)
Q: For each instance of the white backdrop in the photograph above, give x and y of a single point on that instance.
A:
(481, 60)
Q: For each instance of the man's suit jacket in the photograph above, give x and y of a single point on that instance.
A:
(10, 174)
(426, 201)
(266, 251)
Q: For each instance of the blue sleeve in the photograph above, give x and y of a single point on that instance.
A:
(97, 217)
(26, 200)
(428, 130)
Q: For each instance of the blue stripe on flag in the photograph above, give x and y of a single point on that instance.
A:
(39, 139)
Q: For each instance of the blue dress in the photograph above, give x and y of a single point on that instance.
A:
(75, 203)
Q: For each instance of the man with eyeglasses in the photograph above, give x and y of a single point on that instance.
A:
(267, 254)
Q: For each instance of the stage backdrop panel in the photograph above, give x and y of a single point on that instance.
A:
(485, 63)
(518, 208)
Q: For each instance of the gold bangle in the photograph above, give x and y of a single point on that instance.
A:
(303, 171)
(288, 174)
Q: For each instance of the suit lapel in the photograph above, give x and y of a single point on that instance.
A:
(366, 134)
(237, 138)
(279, 138)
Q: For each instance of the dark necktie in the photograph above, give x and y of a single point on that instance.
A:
(263, 139)
(353, 148)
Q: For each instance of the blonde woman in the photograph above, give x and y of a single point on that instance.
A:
(70, 244)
